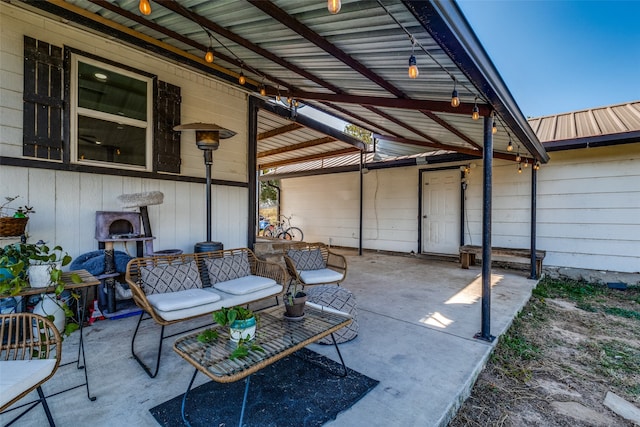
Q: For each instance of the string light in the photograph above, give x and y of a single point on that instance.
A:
(519, 168)
(537, 166)
(208, 57)
(518, 158)
(455, 101)
(334, 6)
(475, 113)
(145, 7)
(289, 100)
(263, 90)
(242, 79)
(526, 163)
(413, 67)
(510, 145)
(494, 128)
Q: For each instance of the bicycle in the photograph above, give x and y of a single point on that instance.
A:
(283, 230)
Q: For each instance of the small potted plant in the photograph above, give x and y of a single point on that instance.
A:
(13, 220)
(294, 301)
(45, 264)
(242, 324)
(16, 262)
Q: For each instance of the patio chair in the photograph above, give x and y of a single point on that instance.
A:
(29, 356)
(314, 264)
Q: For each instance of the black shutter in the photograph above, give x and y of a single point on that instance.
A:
(166, 145)
(42, 97)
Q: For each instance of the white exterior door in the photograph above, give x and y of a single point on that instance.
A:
(441, 211)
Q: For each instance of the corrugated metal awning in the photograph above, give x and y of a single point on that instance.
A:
(352, 65)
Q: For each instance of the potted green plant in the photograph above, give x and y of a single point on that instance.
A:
(16, 263)
(294, 301)
(45, 264)
(242, 324)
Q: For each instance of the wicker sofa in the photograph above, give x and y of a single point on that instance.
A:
(176, 288)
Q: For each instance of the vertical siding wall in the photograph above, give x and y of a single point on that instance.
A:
(66, 202)
(327, 208)
(589, 208)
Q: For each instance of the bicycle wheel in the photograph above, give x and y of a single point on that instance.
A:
(268, 231)
(295, 233)
(283, 235)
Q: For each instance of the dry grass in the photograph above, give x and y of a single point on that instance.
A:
(571, 344)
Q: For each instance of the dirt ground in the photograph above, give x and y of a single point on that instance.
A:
(571, 347)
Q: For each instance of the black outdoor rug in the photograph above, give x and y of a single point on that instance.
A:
(299, 390)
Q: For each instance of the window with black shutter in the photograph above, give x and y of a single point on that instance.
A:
(114, 115)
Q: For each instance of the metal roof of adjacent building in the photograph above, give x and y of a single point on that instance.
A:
(591, 127)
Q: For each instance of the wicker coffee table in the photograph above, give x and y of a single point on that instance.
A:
(278, 336)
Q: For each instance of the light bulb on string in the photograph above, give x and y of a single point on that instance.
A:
(494, 128)
(526, 163)
(334, 6)
(536, 166)
(455, 100)
(145, 7)
(475, 113)
(413, 67)
(518, 158)
(208, 57)
(242, 79)
(519, 168)
(263, 90)
(510, 145)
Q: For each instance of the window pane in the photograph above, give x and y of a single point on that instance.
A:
(107, 91)
(110, 142)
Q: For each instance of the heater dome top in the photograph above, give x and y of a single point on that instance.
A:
(223, 133)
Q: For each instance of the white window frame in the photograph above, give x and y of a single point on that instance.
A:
(75, 111)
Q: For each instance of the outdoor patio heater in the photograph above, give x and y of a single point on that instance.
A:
(208, 136)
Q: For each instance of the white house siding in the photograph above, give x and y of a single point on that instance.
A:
(511, 205)
(66, 202)
(327, 208)
(589, 208)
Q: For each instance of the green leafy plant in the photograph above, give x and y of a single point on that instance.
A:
(225, 318)
(15, 260)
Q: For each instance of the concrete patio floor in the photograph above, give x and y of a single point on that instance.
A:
(417, 318)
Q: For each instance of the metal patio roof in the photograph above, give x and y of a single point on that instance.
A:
(352, 65)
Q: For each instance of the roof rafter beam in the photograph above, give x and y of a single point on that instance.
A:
(173, 6)
(294, 147)
(462, 150)
(280, 15)
(279, 131)
(378, 101)
(309, 158)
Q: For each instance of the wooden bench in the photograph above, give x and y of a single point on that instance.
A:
(468, 255)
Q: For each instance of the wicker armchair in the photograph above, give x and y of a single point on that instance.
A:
(29, 356)
(314, 264)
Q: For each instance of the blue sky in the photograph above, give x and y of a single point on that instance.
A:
(559, 56)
